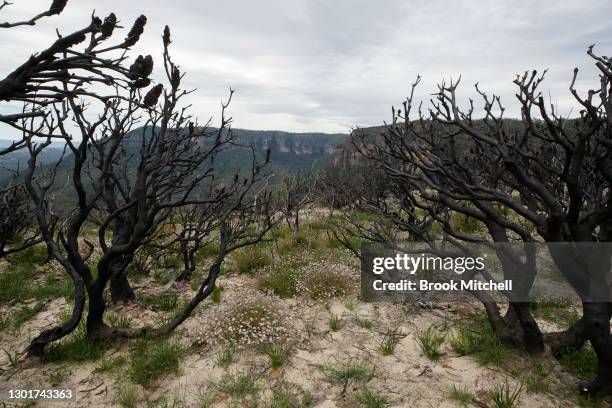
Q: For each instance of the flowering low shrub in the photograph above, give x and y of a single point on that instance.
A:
(252, 320)
(322, 279)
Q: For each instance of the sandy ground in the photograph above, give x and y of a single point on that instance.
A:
(407, 378)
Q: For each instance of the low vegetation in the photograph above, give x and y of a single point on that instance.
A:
(430, 341)
(475, 337)
(252, 321)
(277, 354)
(352, 370)
(389, 342)
(370, 399)
(461, 396)
(151, 361)
(504, 395)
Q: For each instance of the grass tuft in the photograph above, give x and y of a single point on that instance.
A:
(126, 395)
(153, 360)
(580, 363)
(163, 302)
(430, 343)
(352, 370)
(476, 337)
(536, 380)
(226, 357)
(277, 354)
(117, 320)
(111, 363)
(461, 396)
(14, 319)
(389, 343)
(252, 258)
(238, 386)
(503, 396)
(561, 312)
(335, 323)
(369, 399)
(77, 346)
(285, 395)
(365, 323)
(215, 295)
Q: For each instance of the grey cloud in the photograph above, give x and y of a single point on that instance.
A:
(329, 65)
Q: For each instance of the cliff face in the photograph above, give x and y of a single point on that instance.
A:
(299, 144)
(290, 151)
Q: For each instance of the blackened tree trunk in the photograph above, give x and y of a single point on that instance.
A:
(189, 261)
(596, 317)
(120, 289)
(97, 306)
(519, 316)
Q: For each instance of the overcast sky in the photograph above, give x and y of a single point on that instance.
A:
(331, 65)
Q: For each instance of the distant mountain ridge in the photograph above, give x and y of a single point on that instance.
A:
(289, 151)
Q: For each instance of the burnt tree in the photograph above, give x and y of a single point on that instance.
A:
(544, 177)
(171, 158)
(295, 193)
(63, 69)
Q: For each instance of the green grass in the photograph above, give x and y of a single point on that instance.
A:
(429, 342)
(335, 323)
(365, 323)
(14, 319)
(325, 284)
(238, 386)
(301, 240)
(369, 399)
(461, 396)
(164, 402)
(126, 395)
(208, 251)
(215, 295)
(205, 400)
(504, 396)
(111, 363)
(292, 276)
(33, 254)
(464, 223)
(117, 320)
(475, 337)
(13, 357)
(19, 283)
(589, 401)
(351, 370)
(252, 258)
(163, 302)
(77, 346)
(163, 277)
(536, 380)
(57, 377)
(580, 363)
(226, 357)
(561, 312)
(283, 280)
(277, 354)
(152, 360)
(285, 395)
(169, 261)
(280, 232)
(389, 343)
